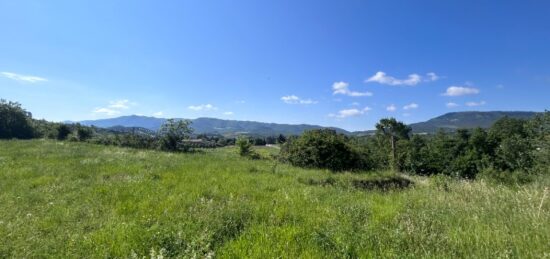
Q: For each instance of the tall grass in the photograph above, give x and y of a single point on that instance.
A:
(78, 200)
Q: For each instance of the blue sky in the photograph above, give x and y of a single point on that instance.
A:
(333, 63)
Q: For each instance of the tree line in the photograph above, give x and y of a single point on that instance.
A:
(510, 146)
(174, 135)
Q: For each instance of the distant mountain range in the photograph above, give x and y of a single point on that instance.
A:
(448, 122)
(457, 120)
(208, 125)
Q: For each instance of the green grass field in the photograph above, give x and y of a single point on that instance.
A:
(61, 199)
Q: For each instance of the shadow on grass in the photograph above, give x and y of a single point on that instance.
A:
(374, 182)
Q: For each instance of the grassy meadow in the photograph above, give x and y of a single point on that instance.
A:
(78, 200)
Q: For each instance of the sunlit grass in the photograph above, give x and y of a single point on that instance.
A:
(79, 200)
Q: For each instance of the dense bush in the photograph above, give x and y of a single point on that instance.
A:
(322, 148)
(63, 132)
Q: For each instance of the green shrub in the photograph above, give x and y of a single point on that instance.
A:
(173, 133)
(63, 132)
(322, 148)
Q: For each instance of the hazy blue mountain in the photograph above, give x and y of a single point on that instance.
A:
(450, 122)
(456, 120)
(150, 123)
(208, 125)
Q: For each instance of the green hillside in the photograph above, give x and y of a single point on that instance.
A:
(456, 120)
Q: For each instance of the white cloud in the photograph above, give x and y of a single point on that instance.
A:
(391, 108)
(349, 113)
(158, 114)
(432, 77)
(202, 107)
(106, 111)
(413, 79)
(342, 88)
(410, 106)
(228, 113)
(451, 105)
(473, 104)
(460, 90)
(293, 99)
(355, 104)
(381, 78)
(23, 78)
(114, 107)
(120, 104)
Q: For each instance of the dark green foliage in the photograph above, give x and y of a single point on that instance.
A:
(83, 133)
(322, 149)
(259, 142)
(393, 130)
(539, 132)
(244, 145)
(63, 131)
(15, 122)
(281, 139)
(173, 133)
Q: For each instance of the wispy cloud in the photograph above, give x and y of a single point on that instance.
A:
(431, 77)
(106, 111)
(114, 107)
(473, 104)
(23, 78)
(391, 108)
(460, 90)
(202, 107)
(410, 106)
(158, 114)
(413, 79)
(293, 99)
(228, 113)
(349, 113)
(343, 88)
(120, 104)
(451, 105)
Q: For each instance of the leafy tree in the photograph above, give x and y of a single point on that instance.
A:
(244, 145)
(281, 139)
(514, 153)
(271, 140)
(173, 134)
(394, 130)
(83, 133)
(507, 127)
(539, 131)
(323, 148)
(63, 131)
(259, 142)
(15, 122)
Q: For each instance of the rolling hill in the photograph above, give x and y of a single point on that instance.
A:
(209, 125)
(449, 122)
(456, 120)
